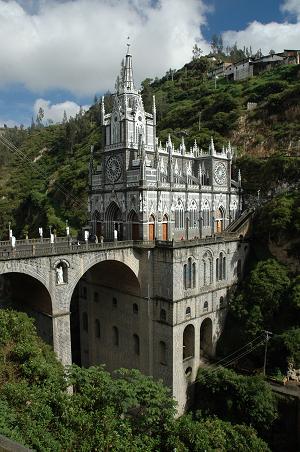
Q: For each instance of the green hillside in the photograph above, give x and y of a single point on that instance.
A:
(188, 105)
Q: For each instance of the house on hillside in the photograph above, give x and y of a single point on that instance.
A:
(250, 67)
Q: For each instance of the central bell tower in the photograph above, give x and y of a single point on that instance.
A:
(127, 130)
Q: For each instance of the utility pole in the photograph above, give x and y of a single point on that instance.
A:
(268, 335)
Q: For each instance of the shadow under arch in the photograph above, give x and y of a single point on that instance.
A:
(25, 293)
(102, 302)
(206, 345)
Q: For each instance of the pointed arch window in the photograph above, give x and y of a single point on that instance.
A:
(97, 328)
(179, 215)
(162, 353)
(115, 336)
(136, 344)
(221, 267)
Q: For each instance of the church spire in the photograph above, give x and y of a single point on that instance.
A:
(128, 83)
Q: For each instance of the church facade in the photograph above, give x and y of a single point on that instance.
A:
(146, 191)
(175, 205)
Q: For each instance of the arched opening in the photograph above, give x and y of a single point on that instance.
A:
(151, 227)
(136, 344)
(118, 300)
(97, 225)
(219, 220)
(206, 338)
(114, 222)
(61, 270)
(165, 232)
(162, 353)
(133, 226)
(188, 342)
(24, 293)
(163, 315)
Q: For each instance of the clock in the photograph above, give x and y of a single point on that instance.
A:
(113, 169)
(220, 173)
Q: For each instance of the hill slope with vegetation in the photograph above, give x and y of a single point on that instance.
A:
(188, 105)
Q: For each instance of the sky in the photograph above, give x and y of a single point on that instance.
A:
(57, 54)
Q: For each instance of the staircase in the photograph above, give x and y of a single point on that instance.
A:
(242, 224)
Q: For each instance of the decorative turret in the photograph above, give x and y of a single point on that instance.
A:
(127, 82)
(154, 111)
(211, 148)
(239, 178)
(102, 111)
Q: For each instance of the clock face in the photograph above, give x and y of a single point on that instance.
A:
(220, 173)
(113, 169)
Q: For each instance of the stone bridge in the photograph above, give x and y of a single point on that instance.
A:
(40, 261)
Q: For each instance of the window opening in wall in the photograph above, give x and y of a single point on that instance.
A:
(84, 292)
(188, 342)
(115, 336)
(205, 306)
(135, 308)
(97, 328)
(163, 315)
(85, 322)
(188, 371)
(239, 268)
(96, 297)
(136, 344)
(222, 303)
(185, 276)
(114, 302)
(162, 353)
(194, 275)
(188, 312)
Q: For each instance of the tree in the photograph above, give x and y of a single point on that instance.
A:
(236, 398)
(213, 434)
(197, 52)
(216, 44)
(40, 117)
(65, 117)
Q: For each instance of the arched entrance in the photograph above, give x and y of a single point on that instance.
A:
(24, 293)
(219, 220)
(188, 342)
(97, 225)
(106, 312)
(114, 222)
(151, 228)
(165, 232)
(133, 225)
(206, 338)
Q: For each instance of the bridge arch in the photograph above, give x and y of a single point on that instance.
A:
(23, 291)
(103, 300)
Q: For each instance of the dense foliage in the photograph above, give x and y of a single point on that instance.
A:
(235, 397)
(120, 412)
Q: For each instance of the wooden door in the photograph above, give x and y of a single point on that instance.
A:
(135, 231)
(219, 226)
(165, 231)
(151, 231)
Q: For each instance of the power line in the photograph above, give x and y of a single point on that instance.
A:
(8, 144)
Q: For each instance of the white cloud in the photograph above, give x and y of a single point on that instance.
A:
(78, 44)
(8, 123)
(277, 36)
(292, 7)
(273, 35)
(55, 112)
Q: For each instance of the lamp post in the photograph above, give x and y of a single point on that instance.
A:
(216, 78)
(9, 231)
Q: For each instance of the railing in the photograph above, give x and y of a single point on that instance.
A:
(37, 248)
